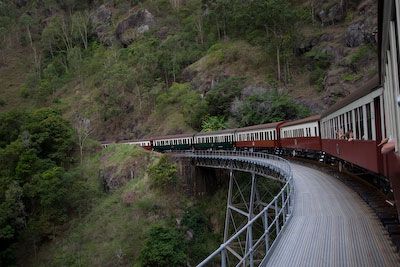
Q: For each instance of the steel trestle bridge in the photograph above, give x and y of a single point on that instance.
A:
(252, 227)
(330, 225)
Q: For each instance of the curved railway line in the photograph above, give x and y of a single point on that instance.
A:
(331, 226)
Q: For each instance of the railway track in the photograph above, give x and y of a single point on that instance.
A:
(331, 226)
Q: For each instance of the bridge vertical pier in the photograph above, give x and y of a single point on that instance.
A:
(242, 201)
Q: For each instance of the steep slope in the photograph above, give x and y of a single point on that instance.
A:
(116, 62)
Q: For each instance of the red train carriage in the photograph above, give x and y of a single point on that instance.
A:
(301, 136)
(351, 129)
(264, 136)
(389, 54)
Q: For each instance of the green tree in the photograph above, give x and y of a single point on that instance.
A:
(29, 22)
(35, 191)
(10, 126)
(81, 27)
(163, 174)
(164, 247)
(185, 99)
(220, 97)
(213, 123)
(268, 107)
(278, 19)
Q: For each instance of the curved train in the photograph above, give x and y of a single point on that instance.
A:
(362, 131)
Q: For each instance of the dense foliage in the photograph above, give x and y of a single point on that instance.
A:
(165, 247)
(267, 107)
(163, 174)
(36, 190)
(141, 79)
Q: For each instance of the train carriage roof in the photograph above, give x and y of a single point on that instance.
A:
(133, 141)
(174, 136)
(301, 121)
(259, 127)
(226, 131)
(368, 87)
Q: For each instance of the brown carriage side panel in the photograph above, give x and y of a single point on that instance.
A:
(363, 153)
(304, 143)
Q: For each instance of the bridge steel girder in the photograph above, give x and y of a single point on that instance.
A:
(245, 246)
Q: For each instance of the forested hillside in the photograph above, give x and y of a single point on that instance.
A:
(140, 68)
(74, 72)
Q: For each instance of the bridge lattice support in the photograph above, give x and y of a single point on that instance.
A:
(243, 202)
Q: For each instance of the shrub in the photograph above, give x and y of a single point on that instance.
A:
(319, 59)
(163, 173)
(351, 77)
(220, 97)
(317, 77)
(361, 53)
(182, 96)
(267, 107)
(213, 123)
(164, 247)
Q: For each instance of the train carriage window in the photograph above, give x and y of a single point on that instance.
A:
(369, 122)
(357, 133)
(343, 122)
(361, 116)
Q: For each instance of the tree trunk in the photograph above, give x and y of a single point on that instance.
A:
(81, 151)
(35, 54)
(278, 62)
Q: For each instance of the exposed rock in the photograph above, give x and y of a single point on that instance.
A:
(334, 86)
(163, 33)
(254, 90)
(326, 37)
(20, 3)
(135, 25)
(336, 52)
(355, 35)
(306, 46)
(333, 14)
(189, 234)
(360, 32)
(101, 20)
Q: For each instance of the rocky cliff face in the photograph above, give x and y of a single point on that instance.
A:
(349, 38)
(339, 52)
(136, 22)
